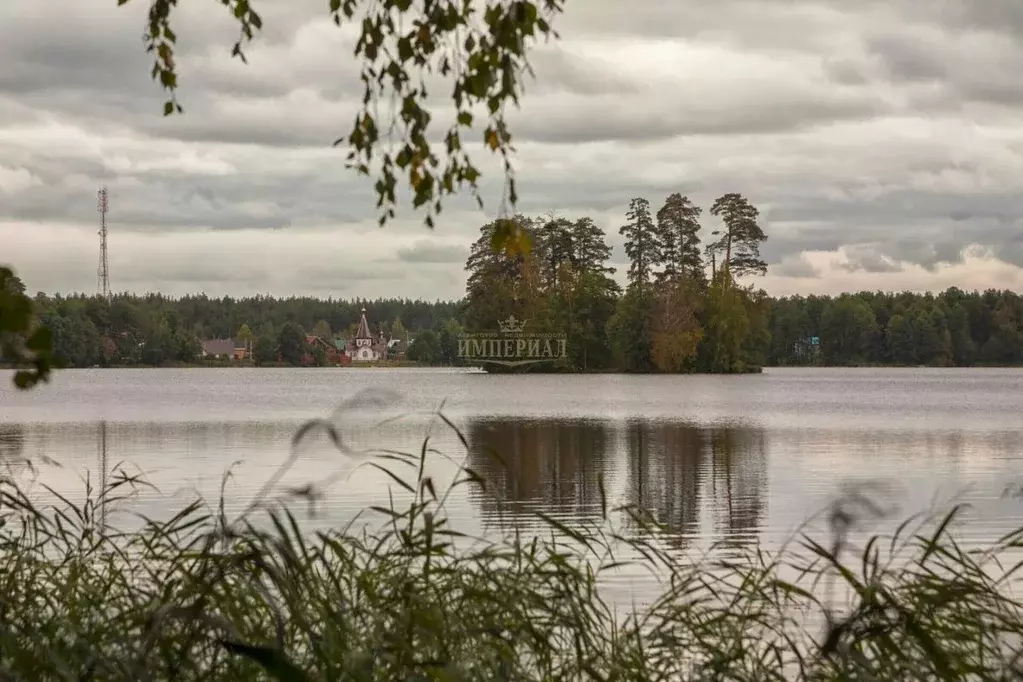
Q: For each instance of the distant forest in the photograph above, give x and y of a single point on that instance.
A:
(686, 307)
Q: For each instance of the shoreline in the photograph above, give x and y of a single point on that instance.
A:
(481, 370)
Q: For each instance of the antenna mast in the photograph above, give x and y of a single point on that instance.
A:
(103, 206)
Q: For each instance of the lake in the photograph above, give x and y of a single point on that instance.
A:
(736, 459)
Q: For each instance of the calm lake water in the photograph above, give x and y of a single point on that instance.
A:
(739, 458)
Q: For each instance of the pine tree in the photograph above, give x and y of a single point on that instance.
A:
(641, 244)
(500, 284)
(678, 225)
(740, 241)
(555, 247)
(591, 248)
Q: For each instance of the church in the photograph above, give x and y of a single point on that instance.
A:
(364, 347)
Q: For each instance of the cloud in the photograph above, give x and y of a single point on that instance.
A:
(866, 258)
(797, 266)
(425, 251)
(881, 140)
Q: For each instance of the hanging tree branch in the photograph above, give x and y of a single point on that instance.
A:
(481, 45)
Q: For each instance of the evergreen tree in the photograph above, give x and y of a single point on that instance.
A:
(678, 226)
(641, 245)
(630, 331)
(291, 343)
(425, 348)
(495, 285)
(901, 343)
(964, 350)
(848, 328)
(555, 247)
(264, 350)
(738, 246)
(591, 248)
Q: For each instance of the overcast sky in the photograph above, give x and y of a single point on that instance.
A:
(882, 141)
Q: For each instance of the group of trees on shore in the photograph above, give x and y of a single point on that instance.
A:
(686, 307)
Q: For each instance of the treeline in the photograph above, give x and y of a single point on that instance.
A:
(953, 328)
(158, 330)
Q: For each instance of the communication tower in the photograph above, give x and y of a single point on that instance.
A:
(102, 205)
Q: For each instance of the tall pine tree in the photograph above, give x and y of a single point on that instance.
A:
(739, 241)
(555, 247)
(641, 243)
(678, 225)
(591, 248)
(496, 283)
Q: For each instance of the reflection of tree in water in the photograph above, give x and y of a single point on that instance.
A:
(670, 463)
(665, 471)
(552, 464)
(739, 478)
(12, 445)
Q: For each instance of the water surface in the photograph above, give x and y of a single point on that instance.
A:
(736, 458)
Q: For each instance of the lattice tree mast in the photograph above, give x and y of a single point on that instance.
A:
(103, 205)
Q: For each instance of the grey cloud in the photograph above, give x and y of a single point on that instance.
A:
(843, 71)
(908, 58)
(250, 196)
(426, 251)
(558, 71)
(789, 238)
(969, 67)
(928, 254)
(926, 229)
(649, 118)
(64, 79)
(353, 275)
(866, 258)
(1000, 16)
(796, 266)
(1009, 251)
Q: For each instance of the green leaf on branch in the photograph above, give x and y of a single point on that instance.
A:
(23, 343)
(511, 238)
(486, 57)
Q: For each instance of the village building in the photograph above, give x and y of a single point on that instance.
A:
(365, 347)
(225, 348)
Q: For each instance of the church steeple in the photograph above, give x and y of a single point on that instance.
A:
(363, 332)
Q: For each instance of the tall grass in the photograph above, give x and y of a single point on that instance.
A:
(201, 596)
